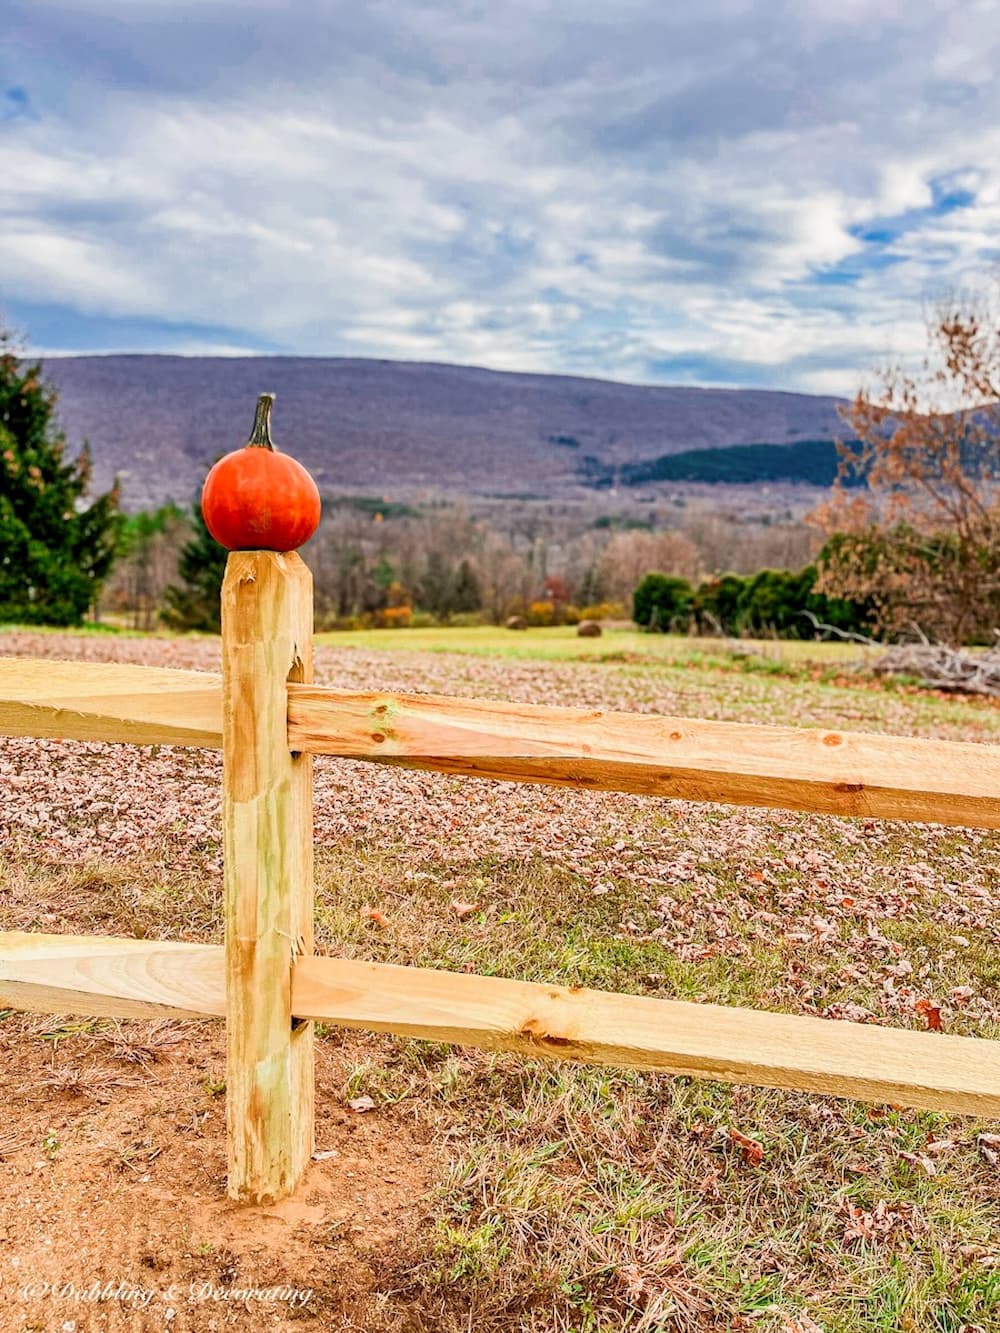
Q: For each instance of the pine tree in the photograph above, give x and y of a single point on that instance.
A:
(196, 602)
(56, 548)
(467, 595)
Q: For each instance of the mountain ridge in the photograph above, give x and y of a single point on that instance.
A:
(363, 424)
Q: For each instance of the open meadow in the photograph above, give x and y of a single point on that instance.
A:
(459, 1190)
(561, 643)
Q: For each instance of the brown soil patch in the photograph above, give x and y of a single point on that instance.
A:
(114, 1215)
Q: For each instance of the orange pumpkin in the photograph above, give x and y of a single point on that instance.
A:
(256, 499)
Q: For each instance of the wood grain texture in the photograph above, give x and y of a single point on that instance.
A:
(798, 768)
(822, 770)
(267, 842)
(148, 978)
(103, 977)
(101, 701)
(919, 1069)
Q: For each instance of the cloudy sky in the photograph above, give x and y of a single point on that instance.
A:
(748, 192)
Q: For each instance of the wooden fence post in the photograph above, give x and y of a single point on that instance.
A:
(267, 640)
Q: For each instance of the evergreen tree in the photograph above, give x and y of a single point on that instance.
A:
(55, 548)
(467, 595)
(196, 602)
(663, 602)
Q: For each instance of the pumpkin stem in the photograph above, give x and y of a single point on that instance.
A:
(260, 436)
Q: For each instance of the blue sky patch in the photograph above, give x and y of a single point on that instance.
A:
(15, 104)
(66, 329)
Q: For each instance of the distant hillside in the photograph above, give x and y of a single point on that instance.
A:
(814, 462)
(402, 427)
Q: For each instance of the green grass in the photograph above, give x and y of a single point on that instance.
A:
(563, 644)
(108, 626)
(112, 625)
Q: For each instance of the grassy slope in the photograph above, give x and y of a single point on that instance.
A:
(593, 1200)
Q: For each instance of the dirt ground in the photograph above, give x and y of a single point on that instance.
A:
(114, 1213)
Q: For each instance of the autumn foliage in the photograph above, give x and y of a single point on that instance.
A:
(921, 543)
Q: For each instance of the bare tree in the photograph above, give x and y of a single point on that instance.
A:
(149, 564)
(919, 537)
(629, 556)
(728, 546)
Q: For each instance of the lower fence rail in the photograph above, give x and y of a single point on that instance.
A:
(146, 978)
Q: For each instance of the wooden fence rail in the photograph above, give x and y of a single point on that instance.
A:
(269, 719)
(797, 768)
(794, 768)
(152, 979)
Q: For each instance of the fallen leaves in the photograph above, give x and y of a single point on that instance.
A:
(825, 894)
(838, 904)
(377, 915)
(463, 910)
(752, 1151)
(874, 1226)
(846, 1012)
(933, 1148)
(931, 1013)
(710, 1187)
(801, 1324)
(920, 1161)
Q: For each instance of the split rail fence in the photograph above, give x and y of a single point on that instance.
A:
(269, 719)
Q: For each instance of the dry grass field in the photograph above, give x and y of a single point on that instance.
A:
(457, 1190)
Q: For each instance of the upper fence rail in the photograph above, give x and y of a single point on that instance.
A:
(820, 770)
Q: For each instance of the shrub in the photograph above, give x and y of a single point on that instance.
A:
(541, 613)
(717, 604)
(603, 611)
(663, 602)
(394, 617)
(779, 602)
(773, 601)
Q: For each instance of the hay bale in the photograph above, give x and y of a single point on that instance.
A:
(589, 629)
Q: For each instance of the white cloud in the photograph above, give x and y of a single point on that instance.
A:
(534, 188)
